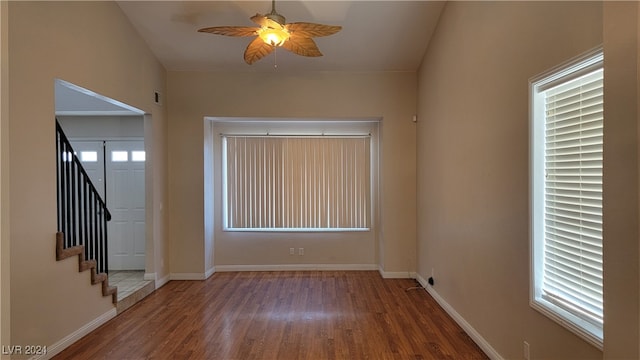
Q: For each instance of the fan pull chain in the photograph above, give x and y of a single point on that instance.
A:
(275, 58)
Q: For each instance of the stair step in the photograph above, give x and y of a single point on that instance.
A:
(130, 300)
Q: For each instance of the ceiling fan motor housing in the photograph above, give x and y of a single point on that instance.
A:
(276, 17)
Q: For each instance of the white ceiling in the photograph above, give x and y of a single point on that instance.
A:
(375, 35)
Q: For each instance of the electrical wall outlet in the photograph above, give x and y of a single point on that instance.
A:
(292, 251)
(527, 351)
(300, 251)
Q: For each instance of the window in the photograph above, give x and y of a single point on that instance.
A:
(296, 183)
(566, 189)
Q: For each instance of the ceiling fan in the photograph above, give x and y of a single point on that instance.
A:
(274, 32)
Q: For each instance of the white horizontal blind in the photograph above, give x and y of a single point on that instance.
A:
(297, 183)
(572, 270)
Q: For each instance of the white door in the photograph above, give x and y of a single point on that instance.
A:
(126, 202)
(91, 155)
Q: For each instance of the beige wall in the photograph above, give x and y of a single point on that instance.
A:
(473, 163)
(620, 187)
(195, 95)
(157, 260)
(5, 314)
(92, 45)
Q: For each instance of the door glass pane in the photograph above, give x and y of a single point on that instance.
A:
(89, 156)
(67, 156)
(138, 156)
(119, 156)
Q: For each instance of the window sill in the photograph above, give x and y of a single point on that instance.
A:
(583, 329)
(300, 230)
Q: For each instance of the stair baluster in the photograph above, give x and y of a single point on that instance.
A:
(82, 214)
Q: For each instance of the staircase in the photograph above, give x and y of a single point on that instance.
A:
(84, 265)
(82, 217)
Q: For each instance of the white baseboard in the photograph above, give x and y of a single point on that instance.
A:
(396, 274)
(161, 282)
(158, 282)
(477, 338)
(297, 267)
(209, 272)
(77, 335)
(187, 276)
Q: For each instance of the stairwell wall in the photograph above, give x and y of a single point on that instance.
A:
(93, 45)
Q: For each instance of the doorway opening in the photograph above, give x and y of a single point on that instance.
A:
(108, 138)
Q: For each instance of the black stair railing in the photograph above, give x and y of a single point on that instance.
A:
(82, 214)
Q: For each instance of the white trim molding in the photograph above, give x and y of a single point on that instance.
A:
(187, 276)
(298, 267)
(475, 336)
(190, 276)
(209, 272)
(396, 274)
(161, 282)
(154, 277)
(65, 342)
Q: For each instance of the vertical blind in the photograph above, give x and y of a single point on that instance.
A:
(573, 196)
(296, 183)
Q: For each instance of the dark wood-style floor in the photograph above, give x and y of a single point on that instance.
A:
(281, 315)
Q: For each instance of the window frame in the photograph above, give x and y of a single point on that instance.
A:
(564, 73)
(299, 127)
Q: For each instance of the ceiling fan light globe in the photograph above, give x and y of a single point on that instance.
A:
(274, 37)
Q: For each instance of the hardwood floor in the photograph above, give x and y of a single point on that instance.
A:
(281, 315)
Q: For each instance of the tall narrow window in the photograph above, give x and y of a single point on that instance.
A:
(567, 137)
(296, 183)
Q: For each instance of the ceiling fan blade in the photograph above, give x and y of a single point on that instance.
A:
(231, 30)
(306, 29)
(256, 50)
(297, 38)
(304, 46)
